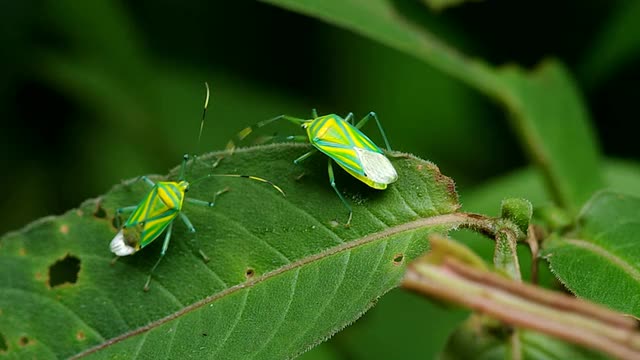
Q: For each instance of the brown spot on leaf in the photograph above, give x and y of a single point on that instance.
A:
(64, 228)
(80, 335)
(24, 341)
(99, 213)
(38, 276)
(79, 212)
(398, 259)
(22, 252)
(64, 271)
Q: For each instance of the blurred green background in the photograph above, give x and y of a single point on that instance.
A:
(95, 92)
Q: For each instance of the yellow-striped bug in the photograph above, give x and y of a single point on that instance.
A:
(160, 207)
(343, 142)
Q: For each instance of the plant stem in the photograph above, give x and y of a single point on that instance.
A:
(527, 306)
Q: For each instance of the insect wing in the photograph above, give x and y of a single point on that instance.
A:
(337, 139)
(155, 212)
(353, 151)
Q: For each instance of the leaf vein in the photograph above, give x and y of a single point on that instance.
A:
(284, 316)
(615, 259)
(235, 322)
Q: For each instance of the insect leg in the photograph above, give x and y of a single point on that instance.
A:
(349, 118)
(126, 209)
(123, 210)
(207, 203)
(278, 138)
(165, 245)
(304, 156)
(192, 230)
(332, 180)
(146, 180)
(183, 167)
(366, 119)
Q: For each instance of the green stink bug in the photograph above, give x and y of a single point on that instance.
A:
(343, 142)
(159, 208)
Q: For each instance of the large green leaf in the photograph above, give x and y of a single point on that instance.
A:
(546, 108)
(600, 260)
(369, 337)
(284, 273)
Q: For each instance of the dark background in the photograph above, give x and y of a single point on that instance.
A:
(95, 92)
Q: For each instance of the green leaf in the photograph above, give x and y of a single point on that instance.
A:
(369, 337)
(546, 107)
(284, 274)
(600, 261)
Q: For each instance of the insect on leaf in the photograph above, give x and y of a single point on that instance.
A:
(284, 274)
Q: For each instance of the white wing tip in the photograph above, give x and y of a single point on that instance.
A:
(119, 247)
(376, 166)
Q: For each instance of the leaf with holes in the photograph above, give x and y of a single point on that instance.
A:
(600, 261)
(284, 274)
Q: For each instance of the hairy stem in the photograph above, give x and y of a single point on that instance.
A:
(527, 306)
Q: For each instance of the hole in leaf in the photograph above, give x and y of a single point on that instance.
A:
(100, 213)
(115, 223)
(249, 273)
(398, 259)
(80, 335)
(64, 271)
(24, 341)
(205, 334)
(3, 344)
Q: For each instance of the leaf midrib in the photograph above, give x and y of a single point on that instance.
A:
(608, 255)
(448, 220)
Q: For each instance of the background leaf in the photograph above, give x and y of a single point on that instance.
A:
(600, 260)
(284, 274)
(413, 319)
(438, 5)
(615, 46)
(546, 108)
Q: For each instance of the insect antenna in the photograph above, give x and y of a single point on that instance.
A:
(202, 118)
(250, 177)
(204, 114)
